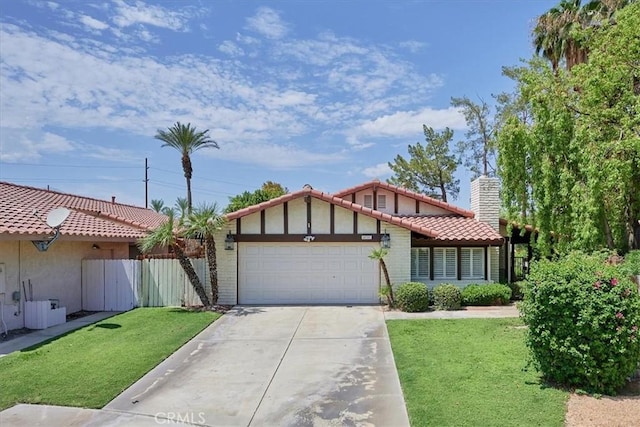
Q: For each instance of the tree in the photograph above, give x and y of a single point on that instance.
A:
(165, 235)
(186, 139)
(269, 190)
(378, 255)
(157, 205)
(203, 223)
(479, 149)
(578, 155)
(182, 208)
(430, 169)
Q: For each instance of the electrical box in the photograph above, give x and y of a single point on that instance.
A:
(3, 279)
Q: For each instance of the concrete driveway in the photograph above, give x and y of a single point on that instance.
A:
(263, 366)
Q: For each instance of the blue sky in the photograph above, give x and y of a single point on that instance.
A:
(321, 92)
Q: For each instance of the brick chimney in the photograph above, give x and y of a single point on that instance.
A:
(485, 200)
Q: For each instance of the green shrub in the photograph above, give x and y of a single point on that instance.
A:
(412, 297)
(517, 290)
(490, 294)
(583, 318)
(447, 297)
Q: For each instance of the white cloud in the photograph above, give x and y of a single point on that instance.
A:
(93, 23)
(267, 22)
(407, 123)
(378, 171)
(230, 48)
(275, 156)
(413, 46)
(20, 147)
(141, 13)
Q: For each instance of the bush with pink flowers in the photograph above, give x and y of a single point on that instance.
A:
(583, 317)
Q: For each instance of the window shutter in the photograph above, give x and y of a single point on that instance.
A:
(478, 263)
(382, 201)
(368, 201)
(438, 263)
(423, 262)
(473, 263)
(451, 261)
(465, 266)
(414, 262)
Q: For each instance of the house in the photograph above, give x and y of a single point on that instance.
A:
(94, 229)
(312, 247)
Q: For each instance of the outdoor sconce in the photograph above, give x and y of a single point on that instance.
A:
(229, 242)
(95, 247)
(385, 240)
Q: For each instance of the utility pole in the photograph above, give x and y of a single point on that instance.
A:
(146, 183)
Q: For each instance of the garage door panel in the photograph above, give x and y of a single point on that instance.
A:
(279, 273)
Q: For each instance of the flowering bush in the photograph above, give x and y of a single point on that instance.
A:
(583, 318)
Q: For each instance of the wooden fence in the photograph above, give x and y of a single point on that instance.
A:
(120, 285)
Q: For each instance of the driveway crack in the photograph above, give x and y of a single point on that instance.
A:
(277, 367)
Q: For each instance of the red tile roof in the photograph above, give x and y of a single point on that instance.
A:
(439, 227)
(411, 194)
(89, 217)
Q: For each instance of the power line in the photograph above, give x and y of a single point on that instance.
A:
(71, 179)
(49, 165)
(200, 178)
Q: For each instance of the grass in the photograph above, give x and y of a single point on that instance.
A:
(471, 372)
(90, 366)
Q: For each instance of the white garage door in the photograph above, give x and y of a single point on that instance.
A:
(307, 273)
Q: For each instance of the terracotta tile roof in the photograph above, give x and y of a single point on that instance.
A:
(403, 191)
(89, 217)
(440, 227)
(456, 228)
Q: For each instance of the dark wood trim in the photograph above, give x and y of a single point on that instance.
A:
(308, 215)
(395, 203)
(353, 197)
(263, 221)
(332, 219)
(486, 262)
(355, 223)
(298, 238)
(459, 262)
(431, 256)
(417, 206)
(375, 199)
(285, 208)
(238, 226)
(378, 226)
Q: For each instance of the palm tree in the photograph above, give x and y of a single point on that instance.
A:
(378, 255)
(157, 205)
(186, 139)
(182, 207)
(166, 235)
(203, 223)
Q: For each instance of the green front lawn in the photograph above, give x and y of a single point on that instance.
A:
(470, 372)
(90, 366)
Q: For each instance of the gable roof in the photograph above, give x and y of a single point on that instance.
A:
(408, 193)
(88, 217)
(440, 227)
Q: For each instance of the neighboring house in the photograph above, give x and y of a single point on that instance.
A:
(94, 229)
(313, 247)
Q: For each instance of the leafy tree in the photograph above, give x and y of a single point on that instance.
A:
(574, 164)
(203, 223)
(186, 139)
(166, 235)
(269, 190)
(378, 255)
(430, 168)
(157, 205)
(479, 149)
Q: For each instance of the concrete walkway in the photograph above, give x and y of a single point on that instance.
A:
(260, 366)
(38, 336)
(466, 313)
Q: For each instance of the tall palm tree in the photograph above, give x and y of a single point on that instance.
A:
(378, 255)
(182, 208)
(166, 235)
(157, 205)
(186, 139)
(203, 223)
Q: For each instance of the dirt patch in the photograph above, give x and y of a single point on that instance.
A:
(618, 411)
(80, 314)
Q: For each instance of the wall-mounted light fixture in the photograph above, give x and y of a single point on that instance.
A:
(385, 240)
(95, 247)
(309, 238)
(229, 242)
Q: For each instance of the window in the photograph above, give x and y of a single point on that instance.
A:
(382, 201)
(445, 263)
(368, 201)
(419, 263)
(472, 263)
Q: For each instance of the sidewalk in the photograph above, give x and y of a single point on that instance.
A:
(39, 336)
(465, 313)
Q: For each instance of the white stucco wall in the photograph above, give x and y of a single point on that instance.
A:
(398, 259)
(320, 217)
(274, 221)
(343, 220)
(367, 225)
(297, 211)
(251, 224)
(56, 273)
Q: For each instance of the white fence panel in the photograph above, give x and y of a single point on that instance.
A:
(121, 283)
(93, 285)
